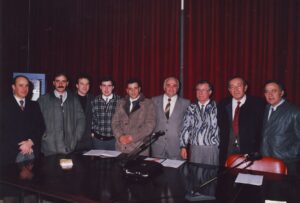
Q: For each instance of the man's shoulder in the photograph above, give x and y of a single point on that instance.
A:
(45, 98)
(288, 106)
(158, 97)
(146, 100)
(116, 97)
(31, 103)
(225, 101)
(255, 101)
(184, 100)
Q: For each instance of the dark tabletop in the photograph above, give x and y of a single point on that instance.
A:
(95, 179)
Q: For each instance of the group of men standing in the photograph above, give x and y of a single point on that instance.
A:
(203, 132)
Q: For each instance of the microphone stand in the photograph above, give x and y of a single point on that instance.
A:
(147, 142)
(227, 170)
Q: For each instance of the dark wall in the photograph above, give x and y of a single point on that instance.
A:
(14, 43)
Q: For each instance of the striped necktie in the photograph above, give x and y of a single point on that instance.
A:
(167, 109)
(22, 105)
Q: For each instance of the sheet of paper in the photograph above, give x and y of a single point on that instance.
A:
(249, 179)
(273, 201)
(105, 153)
(172, 163)
(158, 160)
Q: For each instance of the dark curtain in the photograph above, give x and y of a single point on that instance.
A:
(256, 39)
(122, 38)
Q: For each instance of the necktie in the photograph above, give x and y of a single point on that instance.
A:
(132, 105)
(167, 109)
(235, 122)
(106, 100)
(202, 110)
(22, 105)
(61, 100)
(271, 112)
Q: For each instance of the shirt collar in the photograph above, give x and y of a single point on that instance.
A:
(276, 106)
(204, 103)
(18, 99)
(107, 97)
(243, 100)
(174, 98)
(57, 94)
(132, 100)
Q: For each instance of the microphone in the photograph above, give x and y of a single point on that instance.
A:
(144, 145)
(158, 134)
(253, 156)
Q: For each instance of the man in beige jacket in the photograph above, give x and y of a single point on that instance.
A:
(134, 119)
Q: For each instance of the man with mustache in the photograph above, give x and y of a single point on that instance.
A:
(64, 118)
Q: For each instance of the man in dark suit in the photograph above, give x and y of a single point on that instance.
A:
(22, 124)
(170, 110)
(240, 119)
(281, 129)
(83, 83)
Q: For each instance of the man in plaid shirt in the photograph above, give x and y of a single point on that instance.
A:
(103, 108)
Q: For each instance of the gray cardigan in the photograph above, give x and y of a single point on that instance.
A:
(63, 128)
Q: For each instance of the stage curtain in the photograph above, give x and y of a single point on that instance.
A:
(256, 39)
(122, 38)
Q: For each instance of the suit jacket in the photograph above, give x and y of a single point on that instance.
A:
(86, 141)
(250, 125)
(281, 133)
(139, 123)
(168, 146)
(18, 125)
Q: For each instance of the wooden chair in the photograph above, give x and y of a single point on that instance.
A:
(265, 164)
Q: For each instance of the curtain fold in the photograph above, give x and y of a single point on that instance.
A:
(256, 39)
(122, 38)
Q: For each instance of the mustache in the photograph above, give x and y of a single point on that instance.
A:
(61, 87)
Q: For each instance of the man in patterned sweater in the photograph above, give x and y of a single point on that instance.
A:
(103, 108)
(200, 132)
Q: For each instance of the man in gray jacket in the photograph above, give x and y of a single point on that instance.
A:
(64, 118)
(281, 129)
(170, 109)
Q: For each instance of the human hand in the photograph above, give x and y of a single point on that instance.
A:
(183, 153)
(26, 146)
(125, 139)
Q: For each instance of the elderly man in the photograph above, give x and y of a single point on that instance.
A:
(22, 124)
(134, 119)
(200, 132)
(64, 118)
(170, 109)
(281, 129)
(240, 119)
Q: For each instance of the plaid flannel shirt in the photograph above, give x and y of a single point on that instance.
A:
(102, 115)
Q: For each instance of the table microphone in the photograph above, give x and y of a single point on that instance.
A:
(251, 157)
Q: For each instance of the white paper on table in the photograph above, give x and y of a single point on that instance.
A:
(105, 153)
(249, 179)
(273, 201)
(158, 160)
(172, 163)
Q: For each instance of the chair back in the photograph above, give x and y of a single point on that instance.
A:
(265, 164)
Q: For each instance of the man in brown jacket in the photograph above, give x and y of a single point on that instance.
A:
(134, 118)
